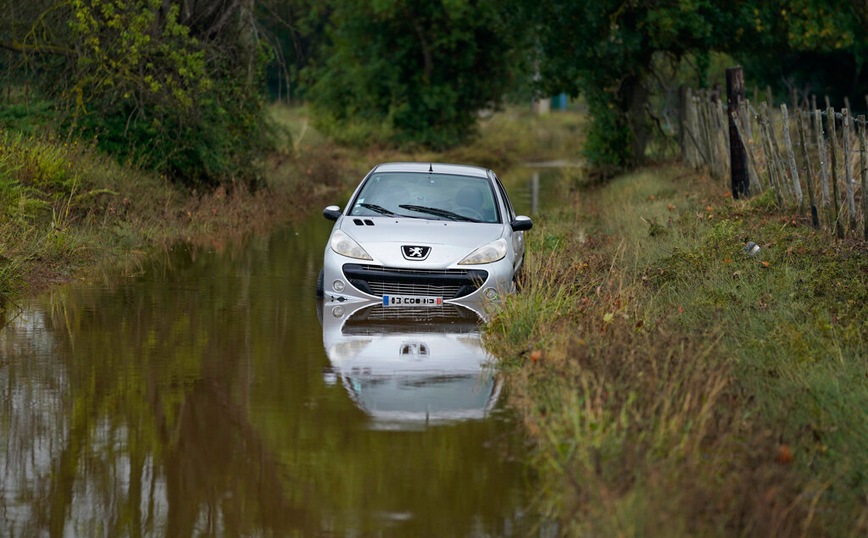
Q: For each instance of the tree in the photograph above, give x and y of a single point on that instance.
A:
(173, 85)
(412, 72)
(605, 50)
(297, 30)
(810, 47)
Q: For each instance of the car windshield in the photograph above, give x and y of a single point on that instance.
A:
(429, 196)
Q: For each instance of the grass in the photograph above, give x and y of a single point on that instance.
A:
(676, 385)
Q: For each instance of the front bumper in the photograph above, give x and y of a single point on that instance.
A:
(346, 279)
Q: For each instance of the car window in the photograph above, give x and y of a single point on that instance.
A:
(430, 196)
(505, 199)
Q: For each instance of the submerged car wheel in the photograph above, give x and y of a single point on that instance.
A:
(319, 284)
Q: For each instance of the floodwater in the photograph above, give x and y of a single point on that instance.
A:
(209, 396)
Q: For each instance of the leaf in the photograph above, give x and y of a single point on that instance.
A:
(784, 455)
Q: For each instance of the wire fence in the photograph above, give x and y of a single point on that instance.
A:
(813, 160)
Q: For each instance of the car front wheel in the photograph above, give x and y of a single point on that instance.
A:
(319, 284)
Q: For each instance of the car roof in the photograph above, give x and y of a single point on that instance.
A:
(434, 168)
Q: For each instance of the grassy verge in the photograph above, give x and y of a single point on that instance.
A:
(675, 384)
(67, 211)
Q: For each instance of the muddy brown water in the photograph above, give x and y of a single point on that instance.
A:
(209, 396)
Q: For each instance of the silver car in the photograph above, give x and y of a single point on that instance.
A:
(421, 235)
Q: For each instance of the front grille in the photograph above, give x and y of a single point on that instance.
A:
(406, 288)
(446, 283)
(425, 272)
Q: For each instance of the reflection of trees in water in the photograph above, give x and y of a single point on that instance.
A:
(138, 423)
(144, 432)
(248, 494)
(195, 405)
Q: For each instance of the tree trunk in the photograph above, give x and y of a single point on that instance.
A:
(634, 97)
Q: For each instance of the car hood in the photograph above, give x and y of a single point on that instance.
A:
(450, 241)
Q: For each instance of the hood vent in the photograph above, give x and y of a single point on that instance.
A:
(360, 222)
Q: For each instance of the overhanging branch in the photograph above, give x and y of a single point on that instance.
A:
(36, 49)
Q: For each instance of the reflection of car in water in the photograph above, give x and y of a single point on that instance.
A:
(410, 365)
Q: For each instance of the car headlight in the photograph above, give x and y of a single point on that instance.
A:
(347, 246)
(486, 254)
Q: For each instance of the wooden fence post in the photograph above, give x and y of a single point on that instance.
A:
(737, 154)
(711, 151)
(683, 96)
(745, 114)
(791, 157)
(776, 151)
(696, 136)
(815, 220)
(751, 158)
(836, 202)
(863, 163)
(824, 164)
(771, 163)
(722, 137)
(848, 170)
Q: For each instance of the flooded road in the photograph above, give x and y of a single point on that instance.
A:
(209, 396)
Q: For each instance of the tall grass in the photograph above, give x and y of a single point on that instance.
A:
(675, 384)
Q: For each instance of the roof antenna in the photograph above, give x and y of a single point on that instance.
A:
(430, 168)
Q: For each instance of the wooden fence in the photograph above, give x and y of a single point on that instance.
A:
(815, 161)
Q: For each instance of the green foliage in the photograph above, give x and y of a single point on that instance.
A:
(817, 47)
(154, 94)
(297, 28)
(609, 144)
(170, 89)
(34, 177)
(28, 118)
(606, 50)
(411, 73)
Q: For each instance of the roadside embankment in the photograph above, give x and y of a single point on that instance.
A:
(674, 383)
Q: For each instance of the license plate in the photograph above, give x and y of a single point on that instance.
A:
(411, 300)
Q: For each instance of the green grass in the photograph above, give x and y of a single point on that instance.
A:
(676, 385)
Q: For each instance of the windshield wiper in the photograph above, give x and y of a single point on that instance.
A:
(437, 212)
(379, 209)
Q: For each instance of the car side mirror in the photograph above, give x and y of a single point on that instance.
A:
(521, 224)
(332, 212)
